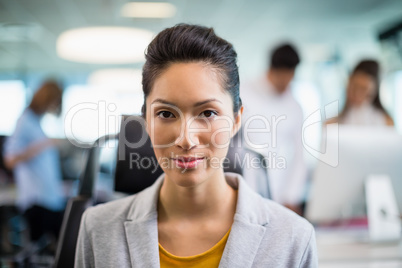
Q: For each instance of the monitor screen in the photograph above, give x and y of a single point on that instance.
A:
(338, 192)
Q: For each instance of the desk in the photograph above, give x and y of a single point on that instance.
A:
(350, 248)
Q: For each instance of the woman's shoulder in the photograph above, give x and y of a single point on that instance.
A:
(333, 120)
(110, 211)
(284, 218)
(288, 229)
(255, 209)
(137, 206)
(287, 236)
(283, 233)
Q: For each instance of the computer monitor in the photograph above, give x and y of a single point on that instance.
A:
(337, 193)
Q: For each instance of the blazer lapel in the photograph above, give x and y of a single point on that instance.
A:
(248, 227)
(242, 244)
(142, 239)
(141, 228)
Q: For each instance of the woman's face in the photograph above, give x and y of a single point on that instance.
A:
(190, 122)
(361, 89)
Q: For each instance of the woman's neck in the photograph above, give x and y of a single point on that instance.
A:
(208, 199)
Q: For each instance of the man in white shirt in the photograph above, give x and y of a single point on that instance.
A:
(272, 125)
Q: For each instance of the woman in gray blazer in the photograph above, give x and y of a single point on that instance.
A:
(194, 215)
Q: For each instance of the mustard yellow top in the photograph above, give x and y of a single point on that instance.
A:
(209, 258)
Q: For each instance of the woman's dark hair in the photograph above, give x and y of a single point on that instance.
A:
(372, 69)
(191, 43)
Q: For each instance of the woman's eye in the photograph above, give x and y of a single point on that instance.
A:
(165, 114)
(208, 114)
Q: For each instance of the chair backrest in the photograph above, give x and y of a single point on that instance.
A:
(66, 246)
(248, 163)
(136, 165)
(89, 175)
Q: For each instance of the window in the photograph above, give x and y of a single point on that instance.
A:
(90, 112)
(12, 104)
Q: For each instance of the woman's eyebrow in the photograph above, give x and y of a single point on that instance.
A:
(195, 105)
(205, 101)
(163, 101)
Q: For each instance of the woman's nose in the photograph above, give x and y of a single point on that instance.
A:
(188, 137)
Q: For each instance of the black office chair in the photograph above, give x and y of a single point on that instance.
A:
(65, 252)
(91, 171)
(136, 164)
(248, 163)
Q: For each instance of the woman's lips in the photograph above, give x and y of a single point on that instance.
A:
(187, 162)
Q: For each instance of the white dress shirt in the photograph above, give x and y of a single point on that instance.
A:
(279, 119)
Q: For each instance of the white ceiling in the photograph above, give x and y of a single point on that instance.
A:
(322, 29)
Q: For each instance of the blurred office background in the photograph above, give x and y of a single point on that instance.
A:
(96, 49)
(332, 36)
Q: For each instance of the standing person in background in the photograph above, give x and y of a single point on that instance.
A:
(270, 105)
(35, 161)
(362, 105)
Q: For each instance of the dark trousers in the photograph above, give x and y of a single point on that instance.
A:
(43, 221)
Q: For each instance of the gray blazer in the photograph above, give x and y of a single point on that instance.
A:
(124, 233)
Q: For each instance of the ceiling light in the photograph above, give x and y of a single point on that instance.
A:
(148, 10)
(104, 45)
(127, 80)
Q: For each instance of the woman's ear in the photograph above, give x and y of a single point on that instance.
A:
(237, 122)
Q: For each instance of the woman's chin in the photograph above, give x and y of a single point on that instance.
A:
(191, 177)
(186, 177)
